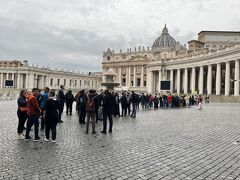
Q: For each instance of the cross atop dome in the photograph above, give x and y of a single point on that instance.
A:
(165, 30)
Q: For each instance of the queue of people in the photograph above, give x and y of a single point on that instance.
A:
(90, 107)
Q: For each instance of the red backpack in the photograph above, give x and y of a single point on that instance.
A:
(90, 105)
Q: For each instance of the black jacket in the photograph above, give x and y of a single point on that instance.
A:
(108, 103)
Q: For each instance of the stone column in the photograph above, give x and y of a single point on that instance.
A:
(227, 79)
(218, 79)
(43, 83)
(149, 81)
(171, 80)
(27, 81)
(134, 76)
(159, 80)
(193, 79)
(1, 83)
(201, 80)
(236, 78)
(31, 81)
(18, 81)
(185, 81)
(209, 79)
(142, 77)
(178, 81)
(120, 75)
(129, 76)
(7, 76)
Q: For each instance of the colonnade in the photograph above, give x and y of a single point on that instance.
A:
(220, 78)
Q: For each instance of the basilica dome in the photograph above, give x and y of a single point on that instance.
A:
(165, 41)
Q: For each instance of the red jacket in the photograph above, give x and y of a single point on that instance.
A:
(33, 106)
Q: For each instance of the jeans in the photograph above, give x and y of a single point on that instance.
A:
(82, 114)
(22, 117)
(69, 108)
(90, 115)
(53, 129)
(109, 116)
(32, 120)
(134, 107)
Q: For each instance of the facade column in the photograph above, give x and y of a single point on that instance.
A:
(149, 81)
(18, 80)
(160, 77)
(129, 76)
(134, 76)
(7, 76)
(1, 83)
(178, 81)
(120, 75)
(236, 78)
(218, 79)
(185, 81)
(227, 79)
(171, 80)
(30, 81)
(209, 79)
(200, 85)
(13, 78)
(26, 82)
(142, 77)
(193, 79)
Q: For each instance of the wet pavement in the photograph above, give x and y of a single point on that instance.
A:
(158, 144)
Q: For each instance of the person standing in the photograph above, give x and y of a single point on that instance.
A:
(51, 117)
(108, 103)
(33, 113)
(82, 107)
(124, 104)
(91, 110)
(22, 113)
(42, 100)
(69, 101)
(200, 100)
(61, 100)
(134, 99)
(128, 102)
(99, 110)
(116, 105)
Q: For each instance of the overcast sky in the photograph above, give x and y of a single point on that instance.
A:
(72, 34)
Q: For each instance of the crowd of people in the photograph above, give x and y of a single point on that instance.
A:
(91, 106)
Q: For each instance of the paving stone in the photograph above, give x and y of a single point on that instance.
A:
(158, 144)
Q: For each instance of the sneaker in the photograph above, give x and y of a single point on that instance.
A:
(20, 136)
(60, 121)
(53, 141)
(46, 139)
(28, 138)
(37, 139)
(94, 132)
(104, 132)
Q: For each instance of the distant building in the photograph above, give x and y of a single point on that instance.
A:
(19, 75)
(210, 65)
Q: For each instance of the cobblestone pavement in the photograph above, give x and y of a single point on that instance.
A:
(158, 144)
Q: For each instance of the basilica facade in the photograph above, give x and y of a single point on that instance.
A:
(210, 65)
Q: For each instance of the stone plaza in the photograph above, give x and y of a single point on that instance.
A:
(175, 144)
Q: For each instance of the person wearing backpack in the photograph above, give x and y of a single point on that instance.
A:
(91, 110)
(42, 100)
(82, 107)
(128, 102)
(69, 101)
